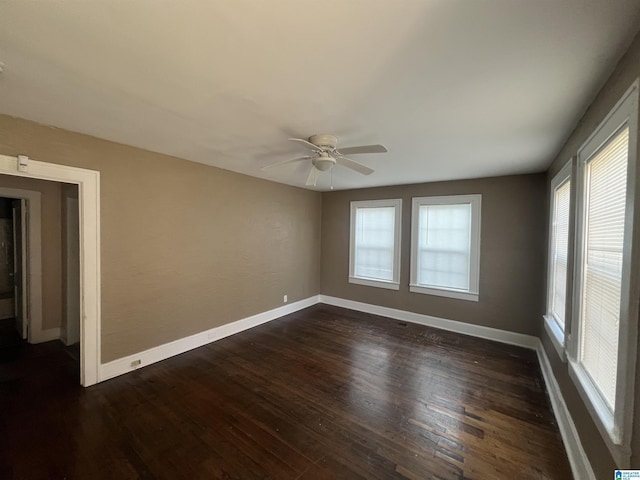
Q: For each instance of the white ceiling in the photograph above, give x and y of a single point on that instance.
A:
(454, 88)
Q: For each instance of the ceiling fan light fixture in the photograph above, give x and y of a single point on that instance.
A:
(324, 163)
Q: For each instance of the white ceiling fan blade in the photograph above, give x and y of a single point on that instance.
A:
(284, 162)
(313, 177)
(358, 167)
(310, 145)
(363, 149)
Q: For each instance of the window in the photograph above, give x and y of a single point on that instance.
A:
(558, 257)
(606, 293)
(374, 254)
(445, 246)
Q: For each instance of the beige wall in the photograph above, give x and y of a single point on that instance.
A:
(70, 332)
(185, 247)
(511, 253)
(625, 73)
(51, 244)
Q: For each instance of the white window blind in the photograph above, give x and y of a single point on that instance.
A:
(374, 243)
(605, 193)
(444, 247)
(560, 245)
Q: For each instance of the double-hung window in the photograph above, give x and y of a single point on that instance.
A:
(559, 224)
(445, 246)
(605, 308)
(374, 253)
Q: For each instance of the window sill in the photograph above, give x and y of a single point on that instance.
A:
(600, 413)
(444, 293)
(375, 283)
(556, 335)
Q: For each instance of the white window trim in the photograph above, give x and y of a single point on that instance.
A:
(615, 427)
(474, 274)
(551, 325)
(395, 283)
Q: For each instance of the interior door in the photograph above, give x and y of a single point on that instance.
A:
(19, 208)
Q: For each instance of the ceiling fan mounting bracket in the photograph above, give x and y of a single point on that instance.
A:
(324, 141)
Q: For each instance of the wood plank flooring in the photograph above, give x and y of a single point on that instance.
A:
(320, 394)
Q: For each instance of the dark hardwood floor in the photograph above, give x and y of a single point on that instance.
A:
(323, 393)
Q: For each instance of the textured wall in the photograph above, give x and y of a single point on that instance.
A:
(512, 252)
(185, 247)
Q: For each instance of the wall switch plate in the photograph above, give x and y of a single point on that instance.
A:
(23, 163)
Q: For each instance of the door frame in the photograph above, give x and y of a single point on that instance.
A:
(88, 182)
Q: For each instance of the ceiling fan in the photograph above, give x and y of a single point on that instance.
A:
(326, 155)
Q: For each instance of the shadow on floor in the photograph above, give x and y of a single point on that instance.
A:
(20, 360)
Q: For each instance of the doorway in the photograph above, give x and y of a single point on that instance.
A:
(88, 187)
(60, 284)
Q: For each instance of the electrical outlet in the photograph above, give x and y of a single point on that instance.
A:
(285, 299)
(136, 363)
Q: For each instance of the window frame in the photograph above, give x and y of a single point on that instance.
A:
(473, 292)
(396, 203)
(556, 333)
(615, 427)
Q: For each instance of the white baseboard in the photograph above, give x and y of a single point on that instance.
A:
(503, 336)
(40, 336)
(162, 352)
(578, 459)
